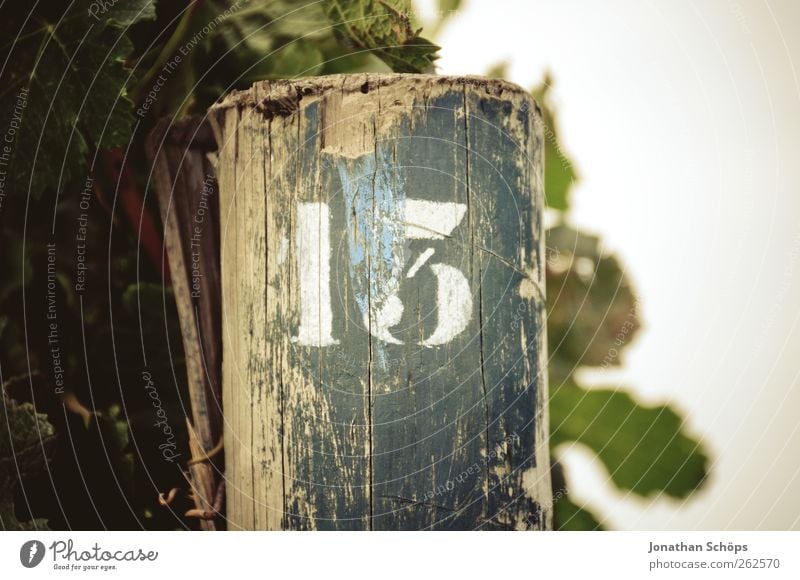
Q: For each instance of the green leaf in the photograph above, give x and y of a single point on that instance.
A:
(593, 312)
(384, 28)
(559, 172)
(570, 517)
(25, 445)
(644, 448)
(567, 515)
(252, 42)
(64, 89)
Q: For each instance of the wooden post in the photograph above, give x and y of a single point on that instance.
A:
(383, 304)
(185, 184)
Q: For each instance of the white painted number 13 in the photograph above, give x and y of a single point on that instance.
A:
(424, 220)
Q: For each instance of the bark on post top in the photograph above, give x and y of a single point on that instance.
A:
(383, 304)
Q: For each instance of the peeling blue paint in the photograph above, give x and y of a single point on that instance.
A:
(374, 192)
(375, 206)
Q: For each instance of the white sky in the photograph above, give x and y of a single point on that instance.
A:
(684, 120)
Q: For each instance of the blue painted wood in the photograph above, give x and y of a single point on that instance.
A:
(400, 424)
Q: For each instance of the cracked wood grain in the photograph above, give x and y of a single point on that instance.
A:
(413, 395)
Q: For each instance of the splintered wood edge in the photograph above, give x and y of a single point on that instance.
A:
(286, 97)
(283, 97)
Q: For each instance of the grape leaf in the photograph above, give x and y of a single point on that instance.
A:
(64, 87)
(384, 28)
(644, 448)
(593, 311)
(278, 39)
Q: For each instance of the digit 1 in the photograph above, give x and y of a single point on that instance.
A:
(314, 269)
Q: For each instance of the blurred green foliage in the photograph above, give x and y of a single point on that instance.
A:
(24, 450)
(87, 77)
(593, 316)
(559, 172)
(70, 67)
(382, 27)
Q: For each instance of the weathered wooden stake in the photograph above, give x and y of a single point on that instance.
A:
(186, 188)
(383, 304)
